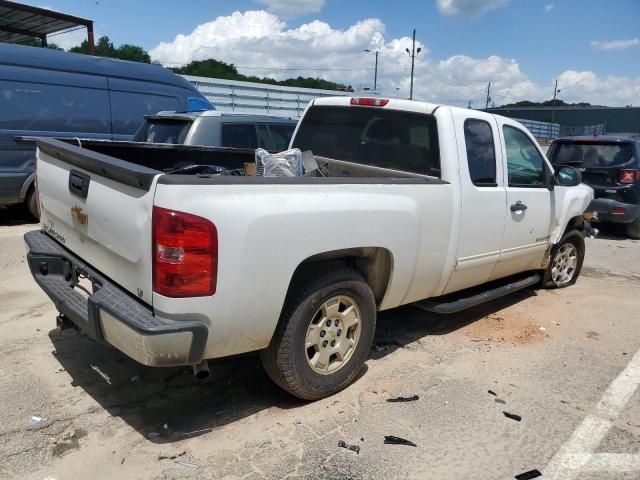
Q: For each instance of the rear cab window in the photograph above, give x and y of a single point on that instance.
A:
(239, 135)
(379, 137)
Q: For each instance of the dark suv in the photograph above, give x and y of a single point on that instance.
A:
(611, 166)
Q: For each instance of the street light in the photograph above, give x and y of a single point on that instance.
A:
(375, 74)
(413, 53)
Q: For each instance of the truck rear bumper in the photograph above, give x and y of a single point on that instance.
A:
(109, 313)
(610, 210)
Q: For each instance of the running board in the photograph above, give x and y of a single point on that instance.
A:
(435, 306)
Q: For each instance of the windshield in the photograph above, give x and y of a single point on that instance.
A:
(372, 136)
(164, 131)
(590, 154)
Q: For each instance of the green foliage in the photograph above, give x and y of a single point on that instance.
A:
(546, 103)
(215, 69)
(36, 42)
(105, 48)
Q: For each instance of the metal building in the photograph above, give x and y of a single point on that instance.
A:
(580, 120)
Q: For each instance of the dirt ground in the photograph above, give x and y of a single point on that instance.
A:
(71, 408)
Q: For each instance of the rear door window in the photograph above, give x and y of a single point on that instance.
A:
(481, 152)
(129, 109)
(378, 137)
(53, 108)
(592, 154)
(239, 135)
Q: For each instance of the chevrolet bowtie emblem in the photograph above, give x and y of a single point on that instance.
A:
(81, 217)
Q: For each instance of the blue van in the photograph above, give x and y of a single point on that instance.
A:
(50, 93)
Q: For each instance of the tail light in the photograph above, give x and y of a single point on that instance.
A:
(185, 254)
(629, 175)
(369, 102)
(618, 210)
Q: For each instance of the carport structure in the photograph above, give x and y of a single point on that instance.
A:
(19, 22)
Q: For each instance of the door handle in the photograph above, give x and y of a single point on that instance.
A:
(518, 207)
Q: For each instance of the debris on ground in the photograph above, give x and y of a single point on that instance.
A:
(135, 379)
(542, 329)
(59, 370)
(529, 475)
(353, 448)
(412, 398)
(153, 435)
(171, 456)
(101, 373)
(500, 401)
(512, 416)
(187, 464)
(393, 440)
(35, 419)
(491, 392)
(555, 323)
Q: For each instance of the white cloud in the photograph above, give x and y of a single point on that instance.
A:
(262, 41)
(292, 8)
(468, 8)
(615, 44)
(548, 7)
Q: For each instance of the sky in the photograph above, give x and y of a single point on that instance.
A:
(592, 47)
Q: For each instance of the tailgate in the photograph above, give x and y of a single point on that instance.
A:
(99, 208)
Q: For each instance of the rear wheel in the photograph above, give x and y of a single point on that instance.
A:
(324, 335)
(633, 229)
(31, 202)
(566, 261)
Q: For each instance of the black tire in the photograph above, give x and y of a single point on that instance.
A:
(31, 202)
(633, 229)
(575, 238)
(285, 360)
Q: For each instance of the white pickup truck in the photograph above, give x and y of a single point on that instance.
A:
(173, 265)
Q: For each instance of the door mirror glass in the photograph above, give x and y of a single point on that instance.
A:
(568, 177)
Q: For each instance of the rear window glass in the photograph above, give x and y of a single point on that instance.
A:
(239, 135)
(372, 136)
(281, 135)
(163, 132)
(591, 154)
(53, 108)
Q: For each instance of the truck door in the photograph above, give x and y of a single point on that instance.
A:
(483, 199)
(528, 221)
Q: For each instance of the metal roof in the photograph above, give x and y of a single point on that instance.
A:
(19, 22)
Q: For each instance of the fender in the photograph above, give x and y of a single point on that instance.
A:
(570, 202)
(25, 187)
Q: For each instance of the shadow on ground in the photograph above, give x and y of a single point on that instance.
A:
(150, 398)
(15, 215)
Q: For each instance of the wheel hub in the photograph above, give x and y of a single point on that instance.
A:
(333, 334)
(563, 267)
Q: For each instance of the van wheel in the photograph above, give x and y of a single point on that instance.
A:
(324, 335)
(31, 202)
(633, 229)
(566, 261)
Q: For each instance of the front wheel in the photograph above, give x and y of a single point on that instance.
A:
(324, 335)
(566, 261)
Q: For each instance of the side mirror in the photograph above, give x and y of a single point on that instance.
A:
(568, 177)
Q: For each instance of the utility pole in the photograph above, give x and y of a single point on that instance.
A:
(486, 106)
(553, 105)
(375, 74)
(413, 54)
(470, 102)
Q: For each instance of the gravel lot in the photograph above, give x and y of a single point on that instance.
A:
(74, 409)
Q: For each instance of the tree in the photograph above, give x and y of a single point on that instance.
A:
(36, 42)
(132, 53)
(104, 48)
(216, 69)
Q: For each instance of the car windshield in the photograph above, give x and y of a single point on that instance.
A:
(163, 131)
(590, 154)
